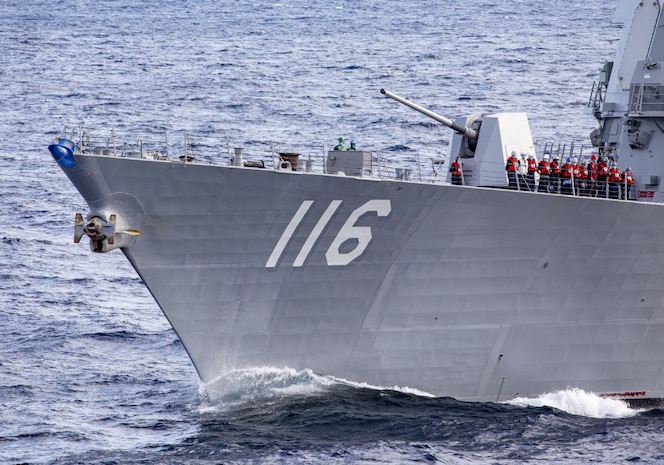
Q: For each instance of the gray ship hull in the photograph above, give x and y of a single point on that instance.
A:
(475, 293)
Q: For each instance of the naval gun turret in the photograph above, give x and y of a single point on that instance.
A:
(469, 130)
(483, 142)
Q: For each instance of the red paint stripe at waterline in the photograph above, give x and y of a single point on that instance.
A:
(624, 394)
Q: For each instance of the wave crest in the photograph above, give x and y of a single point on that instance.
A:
(579, 402)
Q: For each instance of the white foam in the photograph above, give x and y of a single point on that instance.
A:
(404, 389)
(261, 383)
(579, 402)
(266, 383)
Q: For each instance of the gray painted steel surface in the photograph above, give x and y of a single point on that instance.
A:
(461, 291)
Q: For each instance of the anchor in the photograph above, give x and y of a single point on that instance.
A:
(101, 232)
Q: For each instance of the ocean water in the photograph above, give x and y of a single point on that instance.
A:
(91, 372)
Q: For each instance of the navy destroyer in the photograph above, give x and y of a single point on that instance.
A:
(466, 287)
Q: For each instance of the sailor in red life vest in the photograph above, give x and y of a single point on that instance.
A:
(614, 181)
(544, 169)
(555, 175)
(578, 177)
(532, 169)
(512, 168)
(628, 182)
(567, 173)
(583, 181)
(592, 176)
(602, 177)
(457, 174)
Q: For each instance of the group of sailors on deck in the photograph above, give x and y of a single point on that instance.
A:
(599, 178)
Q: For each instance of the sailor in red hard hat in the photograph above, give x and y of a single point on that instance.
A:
(602, 177)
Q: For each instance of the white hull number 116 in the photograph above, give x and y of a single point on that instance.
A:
(334, 257)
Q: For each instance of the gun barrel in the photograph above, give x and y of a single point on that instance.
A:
(468, 132)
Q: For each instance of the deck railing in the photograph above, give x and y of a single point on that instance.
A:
(185, 148)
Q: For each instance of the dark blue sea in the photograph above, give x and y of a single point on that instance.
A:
(90, 370)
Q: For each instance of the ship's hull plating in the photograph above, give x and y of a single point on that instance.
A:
(480, 294)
